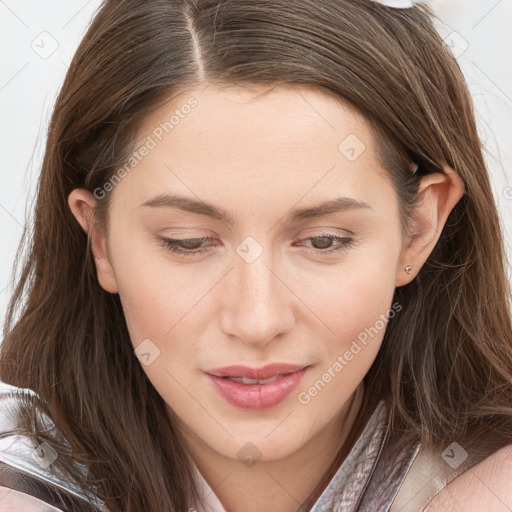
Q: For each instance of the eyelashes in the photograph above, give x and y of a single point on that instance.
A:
(173, 245)
(182, 246)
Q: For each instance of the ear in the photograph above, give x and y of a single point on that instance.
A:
(81, 203)
(437, 195)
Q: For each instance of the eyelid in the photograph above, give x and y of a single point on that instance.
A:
(173, 244)
(324, 231)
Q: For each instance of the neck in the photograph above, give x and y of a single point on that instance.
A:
(284, 484)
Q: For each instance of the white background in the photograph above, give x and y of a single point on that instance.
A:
(38, 40)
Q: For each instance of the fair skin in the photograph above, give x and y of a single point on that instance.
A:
(485, 486)
(258, 159)
(16, 501)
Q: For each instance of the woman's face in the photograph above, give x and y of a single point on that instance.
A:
(298, 265)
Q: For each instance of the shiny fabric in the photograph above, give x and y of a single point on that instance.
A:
(19, 453)
(367, 481)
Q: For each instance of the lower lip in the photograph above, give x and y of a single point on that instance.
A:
(257, 396)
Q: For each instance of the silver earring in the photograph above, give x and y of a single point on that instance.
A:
(408, 268)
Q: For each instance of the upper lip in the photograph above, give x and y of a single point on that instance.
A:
(265, 372)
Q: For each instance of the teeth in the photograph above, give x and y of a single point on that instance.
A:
(245, 380)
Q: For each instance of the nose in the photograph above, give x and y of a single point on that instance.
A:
(257, 304)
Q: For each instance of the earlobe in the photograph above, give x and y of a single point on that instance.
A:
(81, 203)
(437, 196)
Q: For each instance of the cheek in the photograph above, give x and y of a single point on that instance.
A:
(354, 304)
(164, 330)
(352, 295)
(158, 305)
(154, 293)
(355, 309)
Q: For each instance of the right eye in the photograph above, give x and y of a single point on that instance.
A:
(185, 246)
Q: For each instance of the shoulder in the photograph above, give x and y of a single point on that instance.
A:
(26, 466)
(17, 501)
(485, 486)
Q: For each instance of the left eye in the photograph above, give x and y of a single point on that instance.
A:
(343, 242)
(192, 246)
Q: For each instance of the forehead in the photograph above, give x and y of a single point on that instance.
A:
(282, 114)
(275, 141)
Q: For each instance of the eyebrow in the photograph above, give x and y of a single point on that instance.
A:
(335, 205)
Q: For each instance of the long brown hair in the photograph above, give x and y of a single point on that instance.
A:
(445, 366)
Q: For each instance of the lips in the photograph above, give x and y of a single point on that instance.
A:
(256, 388)
(259, 374)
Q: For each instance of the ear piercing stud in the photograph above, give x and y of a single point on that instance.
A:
(408, 268)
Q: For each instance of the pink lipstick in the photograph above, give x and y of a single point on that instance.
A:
(256, 388)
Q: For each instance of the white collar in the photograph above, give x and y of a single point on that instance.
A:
(210, 501)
